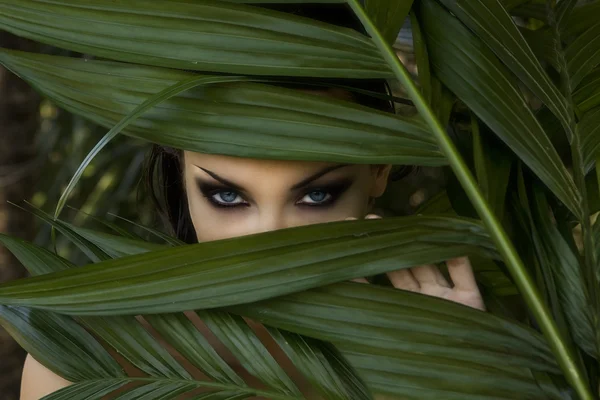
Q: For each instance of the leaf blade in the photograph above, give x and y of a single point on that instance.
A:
(251, 120)
(186, 273)
(388, 16)
(491, 93)
(492, 23)
(201, 35)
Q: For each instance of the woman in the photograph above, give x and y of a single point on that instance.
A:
(209, 197)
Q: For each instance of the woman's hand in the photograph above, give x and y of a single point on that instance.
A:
(427, 279)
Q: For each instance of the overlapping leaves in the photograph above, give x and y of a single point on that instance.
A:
(241, 270)
(483, 77)
(474, 73)
(493, 25)
(416, 337)
(200, 35)
(61, 344)
(242, 119)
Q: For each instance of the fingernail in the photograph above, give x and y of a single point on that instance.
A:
(457, 261)
(372, 216)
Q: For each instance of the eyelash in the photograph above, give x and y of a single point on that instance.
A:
(334, 192)
(219, 204)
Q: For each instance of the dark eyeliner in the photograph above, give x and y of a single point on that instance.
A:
(335, 189)
(208, 190)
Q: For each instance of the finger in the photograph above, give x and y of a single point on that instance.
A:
(404, 279)
(372, 216)
(461, 274)
(429, 274)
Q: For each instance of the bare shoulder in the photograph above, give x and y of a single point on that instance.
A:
(38, 381)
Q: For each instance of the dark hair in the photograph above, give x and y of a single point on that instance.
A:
(163, 181)
(163, 173)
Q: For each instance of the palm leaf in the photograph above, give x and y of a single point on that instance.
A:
(200, 35)
(397, 345)
(492, 167)
(421, 58)
(587, 94)
(543, 45)
(93, 252)
(563, 11)
(589, 128)
(242, 341)
(404, 359)
(88, 390)
(494, 27)
(570, 286)
(40, 260)
(388, 16)
(170, 240)
(583, 54)
(250, 120)
(58, 341)
(96, 245)
(489, 89)
(507, 249)
(582, 18)
(113, 245)
(109, 224)
(194, 275)
(321, 363)
(416, 339)
(181, 333)
(61, 344)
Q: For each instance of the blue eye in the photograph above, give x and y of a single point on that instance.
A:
(227, 198)
(316, 197)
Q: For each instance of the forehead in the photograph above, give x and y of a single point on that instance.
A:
(242, 166)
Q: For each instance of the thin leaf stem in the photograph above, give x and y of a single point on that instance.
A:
(206, 384)
(515, 265)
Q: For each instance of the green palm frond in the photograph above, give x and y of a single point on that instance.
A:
(347, 316)
(204, 35)
(210, 76)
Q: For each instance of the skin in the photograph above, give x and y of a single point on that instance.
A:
(230, 197)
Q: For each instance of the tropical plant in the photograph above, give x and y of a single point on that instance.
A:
(507, 96)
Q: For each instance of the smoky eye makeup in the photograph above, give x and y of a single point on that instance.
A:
(312, 196)
(332, 191)
(220, 195)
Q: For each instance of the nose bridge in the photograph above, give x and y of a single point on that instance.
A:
(270, 219)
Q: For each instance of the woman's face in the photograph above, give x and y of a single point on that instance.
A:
(232, 196)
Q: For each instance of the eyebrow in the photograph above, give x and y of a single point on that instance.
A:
(298, 185)
(317, 175)
(223, 180)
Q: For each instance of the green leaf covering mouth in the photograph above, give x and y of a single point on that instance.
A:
(240, 270)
